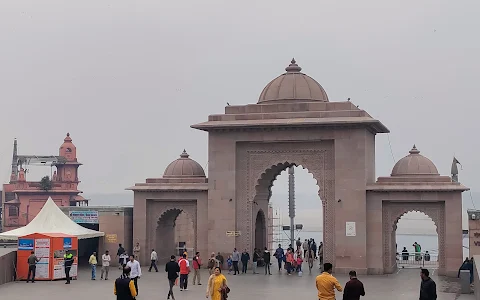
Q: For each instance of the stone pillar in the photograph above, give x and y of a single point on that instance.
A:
(139, 227)
(222, 204)
(350, 198)
(452, 245)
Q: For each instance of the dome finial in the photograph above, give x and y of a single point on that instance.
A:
(184, 154)
(67, 138)
(293, 67)
(414, 150)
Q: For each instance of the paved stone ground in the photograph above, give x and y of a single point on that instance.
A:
(403, 285)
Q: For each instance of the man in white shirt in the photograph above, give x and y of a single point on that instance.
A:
(136, 271)
(105, 265)
(153, 258)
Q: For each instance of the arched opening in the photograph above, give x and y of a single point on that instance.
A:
(272, 194)
(260, 231)
(174, 234)
(415, 239)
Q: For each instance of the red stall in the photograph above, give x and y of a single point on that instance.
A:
(50, 249)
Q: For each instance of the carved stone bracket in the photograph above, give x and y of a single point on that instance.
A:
(259, 164)
(393, 211)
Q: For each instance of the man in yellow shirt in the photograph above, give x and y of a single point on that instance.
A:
(326, 283)
(93, 263)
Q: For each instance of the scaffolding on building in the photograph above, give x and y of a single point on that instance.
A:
(275, 230)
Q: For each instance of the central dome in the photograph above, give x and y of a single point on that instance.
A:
(293, 85)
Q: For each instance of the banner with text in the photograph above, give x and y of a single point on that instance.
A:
(84, 217)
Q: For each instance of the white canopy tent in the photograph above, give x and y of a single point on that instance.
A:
(51, 220)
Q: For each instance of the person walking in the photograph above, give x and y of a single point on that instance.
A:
(217, 285)
(354, 288)
(105, 265)
(428, 288)
(299, 244)
(120, 252)
(279, 254)
(153, 261)
(124, 288)
(229, 264)
(326, 283)
(256, 258)
(93, 264)
(32, 266)
(197, 264)
(245, 258)
(313, 246)
(135, 271)
(67, 263)
(266, 259)
(305, 248)
(289, 262)
(136, 251)
(184, 270)
(220, 259)
(212, 263)
(320, 253)
(172, 268)
(235, 260)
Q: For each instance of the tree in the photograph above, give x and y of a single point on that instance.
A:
(46, 183)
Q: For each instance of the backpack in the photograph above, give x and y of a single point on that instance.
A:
(211, 263)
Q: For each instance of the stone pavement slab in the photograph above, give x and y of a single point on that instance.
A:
(404, 285)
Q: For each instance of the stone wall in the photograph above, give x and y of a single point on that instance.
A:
(8, 261)
(476, 278)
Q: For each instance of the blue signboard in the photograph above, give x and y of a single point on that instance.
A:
(25, 244)
(67, 243)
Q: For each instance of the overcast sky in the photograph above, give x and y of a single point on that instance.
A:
(128, 78)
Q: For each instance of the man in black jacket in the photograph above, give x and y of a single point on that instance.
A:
(124, 288)
(428, 288)
(354, 288)
(266, 261)
(172, 268)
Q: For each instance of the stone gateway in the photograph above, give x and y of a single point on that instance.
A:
(294, 124)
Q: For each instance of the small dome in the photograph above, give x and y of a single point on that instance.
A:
(184, 167)
(414, 164)
(293, 85)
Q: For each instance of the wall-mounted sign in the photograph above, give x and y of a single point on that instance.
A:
(111, 238)
(233, 233)
(25, 244)
(84, 217)
(350, 229)
(67, 243)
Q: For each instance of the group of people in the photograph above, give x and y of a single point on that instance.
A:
(217, 288)
(292, 260)
(126, 286)
(326, 285)
(32, 261)
(258, 258)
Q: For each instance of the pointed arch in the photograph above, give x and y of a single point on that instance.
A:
(262, 163)
(392, 212)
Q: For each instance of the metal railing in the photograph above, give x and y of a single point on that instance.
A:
(417, 259)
